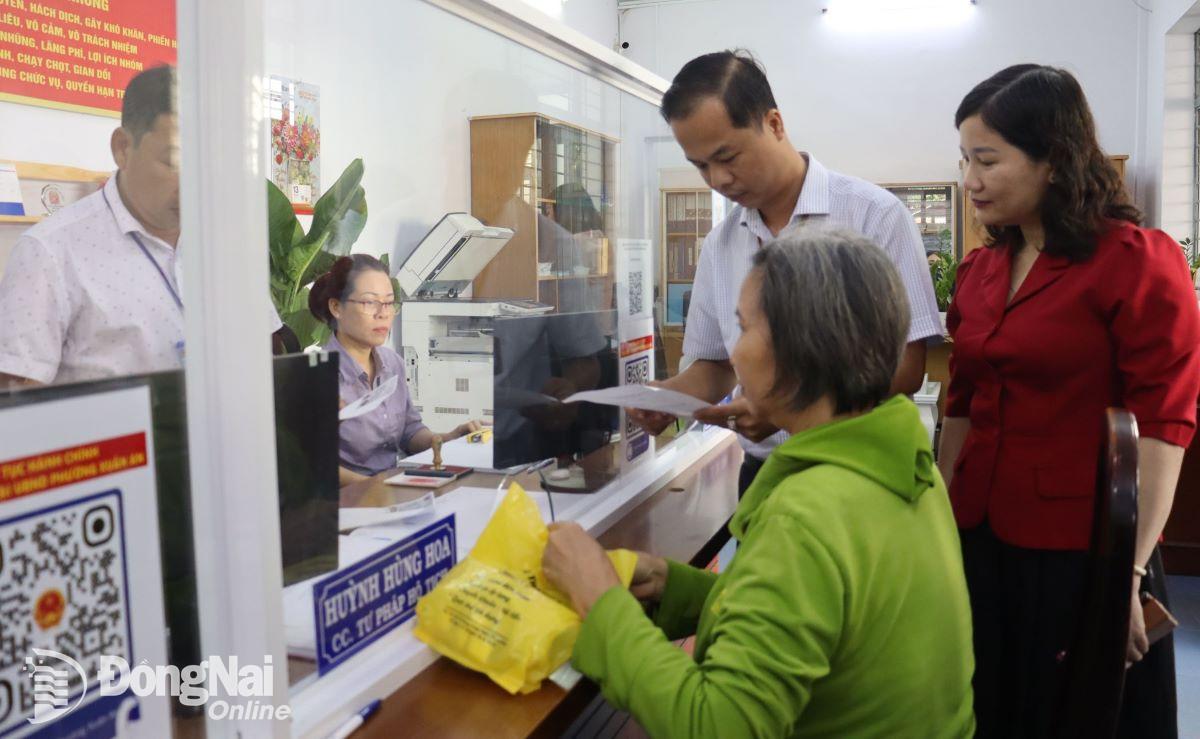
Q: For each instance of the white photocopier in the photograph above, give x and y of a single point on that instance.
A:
(447, 339)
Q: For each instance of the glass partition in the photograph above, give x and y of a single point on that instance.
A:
(97, 553)
(445, 117)
(378, 120)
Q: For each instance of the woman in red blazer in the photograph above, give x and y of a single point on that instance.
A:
(1070, 309)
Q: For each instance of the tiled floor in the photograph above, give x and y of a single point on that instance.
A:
(1185, 604)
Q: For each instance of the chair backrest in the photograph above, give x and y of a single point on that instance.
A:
(285, 341)
(1095, 677)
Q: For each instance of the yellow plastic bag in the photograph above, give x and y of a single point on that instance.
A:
(495, 612)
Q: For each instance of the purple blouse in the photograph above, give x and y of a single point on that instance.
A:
(372, 442)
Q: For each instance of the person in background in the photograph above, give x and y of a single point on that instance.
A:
(845, 612)
(94, 290)
(724, 116)
(1070, 309)
(356, 300)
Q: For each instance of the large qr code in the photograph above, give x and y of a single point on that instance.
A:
(62, 587)
(636, 292)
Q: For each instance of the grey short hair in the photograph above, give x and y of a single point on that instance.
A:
(838, 316)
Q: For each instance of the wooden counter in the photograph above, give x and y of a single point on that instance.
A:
(684, 520)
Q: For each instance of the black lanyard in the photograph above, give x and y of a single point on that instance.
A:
(146, 252)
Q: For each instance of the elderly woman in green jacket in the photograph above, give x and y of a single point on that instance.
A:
(844, 612)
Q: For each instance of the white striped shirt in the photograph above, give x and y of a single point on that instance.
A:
(828, 200)
(80, 301)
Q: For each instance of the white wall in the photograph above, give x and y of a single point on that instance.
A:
(397, 94)
(49, 136)
(399, 82)
(596, 18)
(880, 103)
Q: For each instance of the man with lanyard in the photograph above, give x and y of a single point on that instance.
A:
(94, 291)
(723, 114)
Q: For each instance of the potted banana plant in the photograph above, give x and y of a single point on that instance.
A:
(297, 257)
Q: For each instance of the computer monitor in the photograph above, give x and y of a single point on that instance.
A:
(306, 443)
(540, 360)
(306, 454)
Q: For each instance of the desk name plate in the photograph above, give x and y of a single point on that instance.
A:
(357, 605)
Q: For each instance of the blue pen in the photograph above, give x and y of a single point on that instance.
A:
(351, 724)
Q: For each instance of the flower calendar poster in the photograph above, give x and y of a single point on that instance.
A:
(295, 113)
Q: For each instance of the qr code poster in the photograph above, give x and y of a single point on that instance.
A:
(635, 279)
(635, 329)
(79, 565)
(637, 368)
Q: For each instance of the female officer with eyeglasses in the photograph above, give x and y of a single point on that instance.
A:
(356, 300)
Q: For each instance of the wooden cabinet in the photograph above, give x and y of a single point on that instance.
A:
(973, 231)
(686, 217)
(554, 185)
(1181, 537)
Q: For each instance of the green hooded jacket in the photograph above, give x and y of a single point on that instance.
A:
(843, 614)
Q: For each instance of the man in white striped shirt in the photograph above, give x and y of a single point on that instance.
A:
(723, 114)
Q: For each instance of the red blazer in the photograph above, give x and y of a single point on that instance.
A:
(1034, 377)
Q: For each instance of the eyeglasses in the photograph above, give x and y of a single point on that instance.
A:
(375, 307)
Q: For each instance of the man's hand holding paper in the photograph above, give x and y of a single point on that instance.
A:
(643, 397)
(737, 416)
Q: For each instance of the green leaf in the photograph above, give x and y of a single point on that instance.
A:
(305, 325)
(283, 228)
(338, 198)
(339, 215)
(300, 302)
(385, 260)
(296, 258)
(300, 261)
(322, 263)
(944, 272)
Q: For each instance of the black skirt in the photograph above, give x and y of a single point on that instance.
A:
(1025, 604)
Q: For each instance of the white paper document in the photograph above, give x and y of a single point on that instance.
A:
(371, 400)
(472, 508)
(645, 397)
(459, 452)
(419, 509)
(299, 625)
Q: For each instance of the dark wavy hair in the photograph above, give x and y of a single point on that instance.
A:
(338, 284)
(1043, 112)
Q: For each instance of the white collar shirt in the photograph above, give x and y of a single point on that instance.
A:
(828, 200)
(79, 300)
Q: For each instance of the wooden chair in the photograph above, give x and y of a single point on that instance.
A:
(1095, 678)
(285, 341)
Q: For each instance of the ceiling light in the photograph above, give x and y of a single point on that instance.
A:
(892, 16)
(886, 5)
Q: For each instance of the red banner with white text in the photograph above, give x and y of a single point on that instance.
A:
(80, 54)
